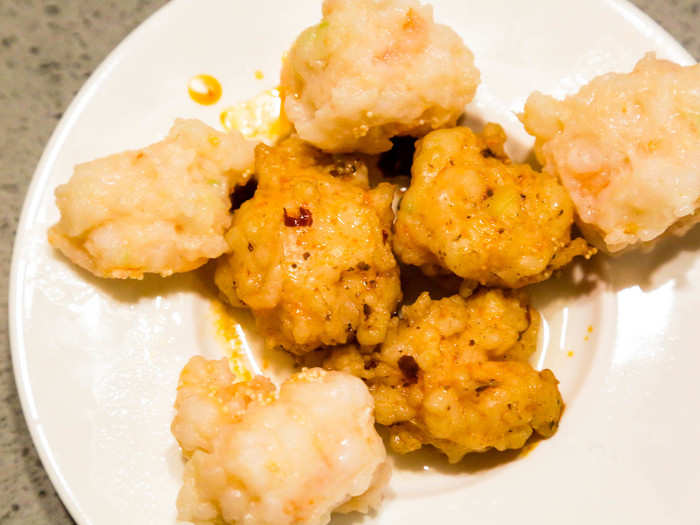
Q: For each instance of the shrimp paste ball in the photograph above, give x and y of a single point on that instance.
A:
(373, 69)
(454, 374)
(256, 456)
(161, 209)
(471, 211)
(311, 251)
(627, 148)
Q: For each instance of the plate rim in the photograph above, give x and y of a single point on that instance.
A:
(639, 18)
(15, 298)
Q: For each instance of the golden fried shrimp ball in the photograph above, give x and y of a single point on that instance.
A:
(311, 251)
(471, 211)
(373, 69)
(254, 456)
(454, 374)
(627, 149)
(161, 209)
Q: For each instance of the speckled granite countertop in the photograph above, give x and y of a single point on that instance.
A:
(47, 50)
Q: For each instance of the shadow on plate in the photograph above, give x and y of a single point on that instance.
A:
(651, 268)
(578, 279)
(355, 518)
(474, 463)
(200, 281)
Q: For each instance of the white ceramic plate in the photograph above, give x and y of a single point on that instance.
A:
(97, 362)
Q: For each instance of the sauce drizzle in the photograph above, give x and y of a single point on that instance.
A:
(227, 328)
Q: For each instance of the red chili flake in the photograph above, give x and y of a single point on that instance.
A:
(409, 368)
(304, 218)
(385, 236)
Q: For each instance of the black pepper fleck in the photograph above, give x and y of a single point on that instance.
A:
(409, 368)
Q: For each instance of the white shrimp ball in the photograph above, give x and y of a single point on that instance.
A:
(373, 69)
(627, 148)
(261, 457)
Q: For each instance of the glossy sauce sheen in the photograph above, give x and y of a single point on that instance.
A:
(261, 117)
(204, 89)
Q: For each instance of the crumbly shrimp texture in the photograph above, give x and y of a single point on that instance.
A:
(627, 148)
(373, 69)
(311, 251)
(258, 457)
(161, 209)
(454, 374)
(469, 210)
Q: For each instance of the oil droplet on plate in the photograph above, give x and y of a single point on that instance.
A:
(204, 89)
(262, 117)
(259, 74)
